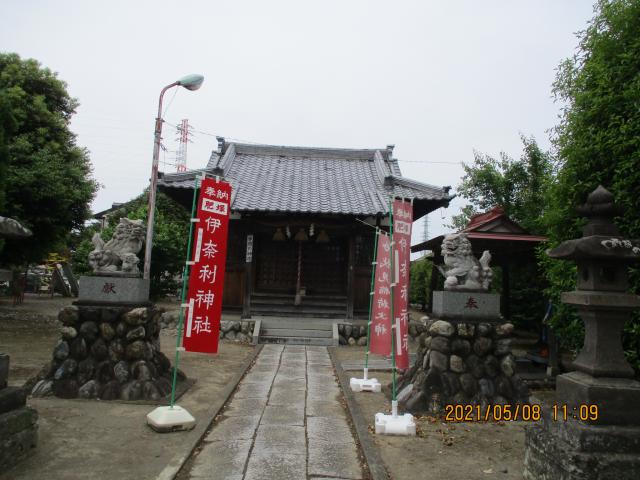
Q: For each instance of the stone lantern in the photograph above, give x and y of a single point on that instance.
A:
(574, 441)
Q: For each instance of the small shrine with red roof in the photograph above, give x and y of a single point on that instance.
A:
(507, 241)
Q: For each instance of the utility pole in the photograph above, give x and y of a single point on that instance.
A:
(184, 132)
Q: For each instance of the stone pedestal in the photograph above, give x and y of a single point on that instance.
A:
(462, 363)
(574, 450)
(618, 399)
(459, 305)
(605, 448)
(108, 351)
(18, 423)
(114, 290)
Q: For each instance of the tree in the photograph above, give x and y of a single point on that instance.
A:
(598, 142)
(171, 231)
(517, 186)
(420, 276)
(45, 178)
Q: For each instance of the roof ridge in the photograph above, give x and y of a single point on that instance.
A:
(188, 175)
(417, 184)
(288, 150)
(242, 145)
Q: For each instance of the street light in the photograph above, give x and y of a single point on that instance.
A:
(190, 82)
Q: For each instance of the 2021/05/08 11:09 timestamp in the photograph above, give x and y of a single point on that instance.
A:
(518, 412)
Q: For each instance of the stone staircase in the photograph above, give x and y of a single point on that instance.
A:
(297, 331)
(312, 306)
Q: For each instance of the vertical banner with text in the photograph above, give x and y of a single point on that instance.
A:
(206, 276)
(380, 337)
(402, 220)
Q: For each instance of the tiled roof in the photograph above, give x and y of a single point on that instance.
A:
(480, 219)
(310, 180)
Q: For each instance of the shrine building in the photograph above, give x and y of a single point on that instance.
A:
(301, 237)
(510, 246)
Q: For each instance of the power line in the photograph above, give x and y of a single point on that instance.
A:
(175, 92)
(259, 143)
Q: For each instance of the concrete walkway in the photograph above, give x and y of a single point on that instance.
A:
(284, 423)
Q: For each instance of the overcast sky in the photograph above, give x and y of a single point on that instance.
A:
(436, 78)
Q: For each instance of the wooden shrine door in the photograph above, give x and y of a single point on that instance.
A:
(276, 265)
(324, 267)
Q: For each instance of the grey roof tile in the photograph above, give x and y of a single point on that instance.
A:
(320, 180)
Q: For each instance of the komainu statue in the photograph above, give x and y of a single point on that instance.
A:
(461, 270)
(120, 253)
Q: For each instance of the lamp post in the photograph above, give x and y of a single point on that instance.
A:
(190, 82)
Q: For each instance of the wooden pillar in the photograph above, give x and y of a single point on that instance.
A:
(248, 276)
(351, 275)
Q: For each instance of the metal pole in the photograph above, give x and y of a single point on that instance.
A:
(152, 186)
(185, 279)
(374, 265)
(393, 290)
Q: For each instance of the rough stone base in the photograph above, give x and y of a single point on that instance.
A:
(110, 353)
(574, 451)
(18, 436)
(461, 363)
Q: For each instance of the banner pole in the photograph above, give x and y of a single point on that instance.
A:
(185, 279)
(393, 289)
(394, 424)
(374, 266)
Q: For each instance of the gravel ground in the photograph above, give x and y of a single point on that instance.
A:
(465, 451)
(92, 439)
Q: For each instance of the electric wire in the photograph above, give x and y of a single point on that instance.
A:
(196, 131)
(175, 92)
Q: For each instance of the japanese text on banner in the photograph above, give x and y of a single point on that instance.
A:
(402, 220)
(206, 276)
(380, 337)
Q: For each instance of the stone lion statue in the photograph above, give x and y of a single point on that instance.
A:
(120, 253)
(461, 270)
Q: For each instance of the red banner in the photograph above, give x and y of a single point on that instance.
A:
(402, 220)
(380, 335)
(206, 276)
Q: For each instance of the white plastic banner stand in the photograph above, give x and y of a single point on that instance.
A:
(170, 419)
(365, 384)
(395, 424)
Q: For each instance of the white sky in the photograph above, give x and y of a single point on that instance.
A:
(436, 78)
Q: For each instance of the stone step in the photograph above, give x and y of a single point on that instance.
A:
(296, 340)
(292, 311)
(308, 333)
(289, 296)
(298, 331)
(306, 302)
(298, 324)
